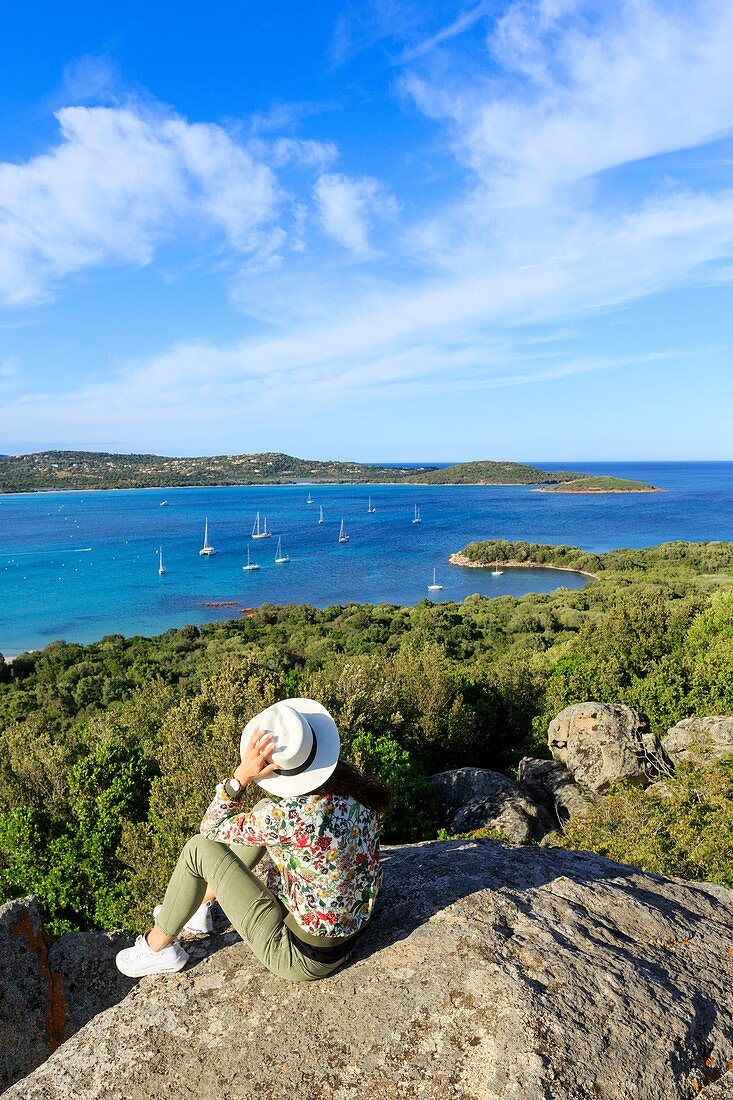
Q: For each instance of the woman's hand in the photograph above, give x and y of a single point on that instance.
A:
(256, 762)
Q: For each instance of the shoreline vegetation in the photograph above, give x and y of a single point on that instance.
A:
(130, 734)
(704, 560)
(55, 471)
(600, 485)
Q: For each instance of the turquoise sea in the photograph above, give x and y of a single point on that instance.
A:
(78, 565)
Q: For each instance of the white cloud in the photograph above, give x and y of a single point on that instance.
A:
(348, 208)
(118, 183)
(88, 79)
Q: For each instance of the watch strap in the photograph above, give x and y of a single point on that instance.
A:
(233, 789)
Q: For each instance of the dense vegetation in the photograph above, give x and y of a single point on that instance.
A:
(99, 470)
(601, 485)
(682, 825)
(109, 752)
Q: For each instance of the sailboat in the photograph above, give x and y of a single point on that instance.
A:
(260, 533)
(416, 518)
(280, 558)
(320, 517)
(161, 568)
(310, 499)
(369, 507)
(343, 537)
(496, 571)
(250, 564)
(206, 550)
(434, 587)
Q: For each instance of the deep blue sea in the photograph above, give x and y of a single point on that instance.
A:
(78, 565)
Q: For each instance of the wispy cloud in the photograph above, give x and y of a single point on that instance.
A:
(463, 23)
(363, 23)
(456, 335)
(88, 80)
(574, 89)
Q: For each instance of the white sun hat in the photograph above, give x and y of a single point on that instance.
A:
(307, 745)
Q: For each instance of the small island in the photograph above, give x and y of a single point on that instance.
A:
(600, 485)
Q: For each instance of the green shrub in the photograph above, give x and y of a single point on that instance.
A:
(415, 813)
(68, 859)
(681, 827)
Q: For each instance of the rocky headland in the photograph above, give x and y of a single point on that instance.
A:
(490, 973)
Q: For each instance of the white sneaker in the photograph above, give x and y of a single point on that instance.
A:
(200, 922)
(139, 960)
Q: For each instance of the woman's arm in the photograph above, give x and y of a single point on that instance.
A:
(225, 821)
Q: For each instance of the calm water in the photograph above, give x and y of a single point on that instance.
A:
(52, 586)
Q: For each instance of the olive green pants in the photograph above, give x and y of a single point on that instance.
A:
(256, 914)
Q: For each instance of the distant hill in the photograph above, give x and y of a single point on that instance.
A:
(100, 470)
(491, 473)
(601, 485)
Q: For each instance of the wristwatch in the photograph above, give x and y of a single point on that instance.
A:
(233, 789)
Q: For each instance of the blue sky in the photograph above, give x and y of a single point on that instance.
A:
(381, 230)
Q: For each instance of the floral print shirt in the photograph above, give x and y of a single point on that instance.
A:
(324, 851)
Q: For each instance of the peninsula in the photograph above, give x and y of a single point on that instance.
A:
(701, 560)
(53, 470)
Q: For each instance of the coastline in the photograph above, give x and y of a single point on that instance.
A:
(468, 563)
(282, 485)
(599, 492)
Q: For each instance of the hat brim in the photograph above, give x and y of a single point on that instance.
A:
(326, 758)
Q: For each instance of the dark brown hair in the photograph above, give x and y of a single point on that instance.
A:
(349, 780)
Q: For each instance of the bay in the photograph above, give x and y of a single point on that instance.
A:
(78, 565)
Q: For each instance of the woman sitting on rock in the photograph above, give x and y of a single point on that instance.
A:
(322, 839)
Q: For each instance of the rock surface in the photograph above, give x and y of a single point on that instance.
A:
(550, 783)
(29, 1017)
(48, 993)
(700, 739)
(721, 1089)
(82, 965)
(458, 786)
(603, 743)
(476, 798)
(490, 973)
